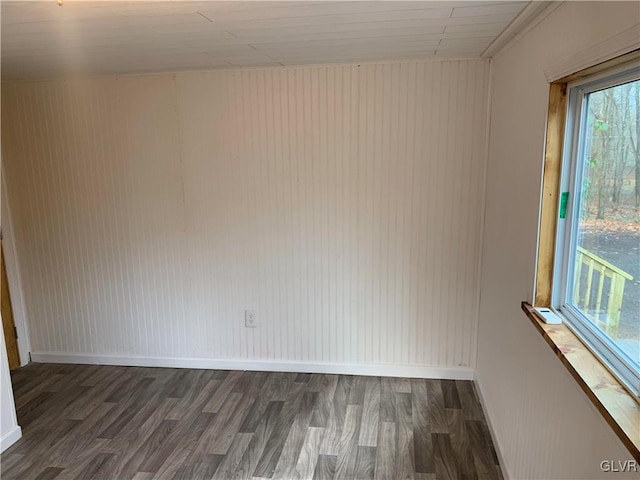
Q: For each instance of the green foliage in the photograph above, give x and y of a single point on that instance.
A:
(600, 125)
(610, 151)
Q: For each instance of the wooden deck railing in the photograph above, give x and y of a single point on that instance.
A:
(592, 305)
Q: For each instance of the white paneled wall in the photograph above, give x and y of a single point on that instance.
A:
(544, 424)
(342, 204)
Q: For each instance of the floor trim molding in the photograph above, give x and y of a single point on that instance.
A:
(370, 369)
(11, 437)
(494, 437)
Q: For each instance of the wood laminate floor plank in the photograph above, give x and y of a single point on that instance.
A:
(336, 416)
(483, 453)
(111, 422)
(348, 445)
(469, 402)
(422, 440)
(326, 392)
(306, 464)
(267, 425)
(450, 394)
(445, 460)
(295, 439)
(356, 395)
(325, 467)
(221, 394)
(227, 431)
(48, 473)
(103, 465)
(173, 464)
(194, 399)
(435, 406)
(386, 451)
(143, 476)
(365, 463)
(273, 448)
(387, 400)
(461, 445)
(370, 414)
(233, 456)
(405, 459)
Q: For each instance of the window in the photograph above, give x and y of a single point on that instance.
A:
(597, 259)
(589, 237)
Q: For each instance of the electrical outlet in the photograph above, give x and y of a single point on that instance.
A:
(250, 319)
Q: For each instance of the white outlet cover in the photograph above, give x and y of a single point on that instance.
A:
(250, 319)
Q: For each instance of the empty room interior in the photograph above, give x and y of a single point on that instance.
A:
(320, 240)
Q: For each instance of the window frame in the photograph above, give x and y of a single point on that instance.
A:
(617, 405)
(571, 176)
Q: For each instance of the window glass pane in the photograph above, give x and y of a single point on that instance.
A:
(606, 281)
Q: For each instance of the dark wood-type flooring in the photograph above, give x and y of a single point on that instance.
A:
(83, 422)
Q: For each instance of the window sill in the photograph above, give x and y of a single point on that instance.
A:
(618, 407)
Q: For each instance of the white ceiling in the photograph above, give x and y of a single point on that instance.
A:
(42, 39)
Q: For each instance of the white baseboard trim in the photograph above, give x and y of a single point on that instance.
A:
(9, 438)
(494, 437)
(370, 369)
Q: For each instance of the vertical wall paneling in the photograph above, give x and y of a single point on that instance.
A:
(574, 437)
(341, 203)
